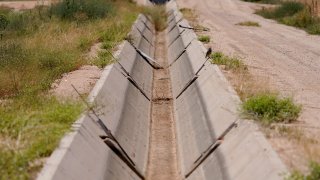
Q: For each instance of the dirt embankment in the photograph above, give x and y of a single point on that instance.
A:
(287, 57)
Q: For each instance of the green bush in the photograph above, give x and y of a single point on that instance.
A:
(301, 19)
(288, 8)
(3, 22)
(23, 23)
(81, 9)
(314, 28)
(269, 108)
(4, 10)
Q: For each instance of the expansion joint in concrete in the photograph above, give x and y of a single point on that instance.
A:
(213, 147)
(143, 36)
(181, 53)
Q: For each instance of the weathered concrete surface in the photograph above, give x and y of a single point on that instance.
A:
(82, 154)
(205, 110)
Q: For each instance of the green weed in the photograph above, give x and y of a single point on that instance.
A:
(249, 23)
(269, 108)
(204, 38)
(230, 63)
(103, 59)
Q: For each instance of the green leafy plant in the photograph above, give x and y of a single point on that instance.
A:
(3, 22)
(269, 108)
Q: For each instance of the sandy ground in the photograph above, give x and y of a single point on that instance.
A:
(162, 163)
(22, 5)
(83, 79)
(288, 57)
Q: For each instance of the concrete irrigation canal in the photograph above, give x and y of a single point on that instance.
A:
(163, 112)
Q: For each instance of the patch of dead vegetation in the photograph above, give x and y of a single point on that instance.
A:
(294, 145)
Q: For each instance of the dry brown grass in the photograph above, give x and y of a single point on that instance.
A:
(190, 15)
(314, 6)
(303, 148)
(247, 85)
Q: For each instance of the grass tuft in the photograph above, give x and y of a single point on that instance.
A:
(204, 38)
(189, 14)
(248, 23)
(269, 108)
(230, 63)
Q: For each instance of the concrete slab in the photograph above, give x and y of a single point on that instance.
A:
(172, 5)
(146, 47)
(181, 74)
(89, 157)
(172, 34)
(127, 56)
(135, 35)
(188, 36)
(118, 112)
(142, 18)
(244, 154)
(175, 50)
(204, 110)
(140, 25)
(141, 73)
(196, 55)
